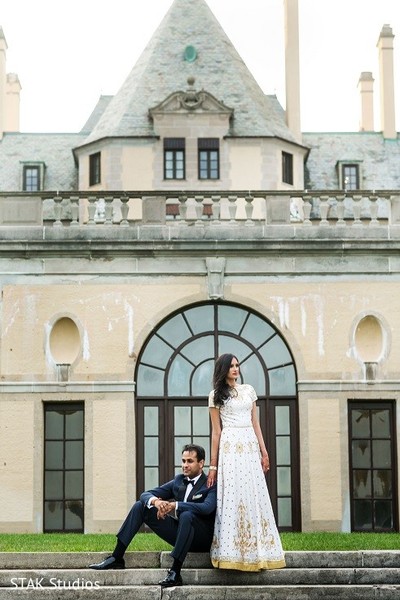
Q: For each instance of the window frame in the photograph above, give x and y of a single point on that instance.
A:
(175, 147)
(39, 168)
(287, 167)
(349, 164)
(94, 168)
(208, 157)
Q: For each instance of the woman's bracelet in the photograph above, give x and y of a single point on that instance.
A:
(212, 468)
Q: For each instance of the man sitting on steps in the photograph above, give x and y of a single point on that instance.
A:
(181, 512)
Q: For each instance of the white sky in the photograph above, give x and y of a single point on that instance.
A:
(69, 52)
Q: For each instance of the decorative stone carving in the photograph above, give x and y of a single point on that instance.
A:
(215, 272)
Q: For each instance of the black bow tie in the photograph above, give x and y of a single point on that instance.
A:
(186, 481)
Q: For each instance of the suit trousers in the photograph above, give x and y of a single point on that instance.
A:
(188, 533)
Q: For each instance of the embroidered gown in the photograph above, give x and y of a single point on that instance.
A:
(245, 533)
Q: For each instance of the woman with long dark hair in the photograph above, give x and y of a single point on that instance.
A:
(245, 533)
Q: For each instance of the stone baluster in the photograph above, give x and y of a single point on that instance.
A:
(124, 211)
(182, 210)
(91, 210)
(199, 210)
(307, 209)
(340, 210)
(324, 209)
(216, 210)
(57, 211)
(373, 210)
(74, 211)
(249, 210)
(357, 210)
(108, 210)
(232, 210)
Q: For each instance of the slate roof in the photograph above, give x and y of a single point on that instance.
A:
(218, 69)
(379, 159)
(54, 149)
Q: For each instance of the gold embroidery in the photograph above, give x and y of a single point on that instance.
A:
(239, 448)
(227, 447)
(246, 540)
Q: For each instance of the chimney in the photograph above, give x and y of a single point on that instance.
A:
(3, 80)
(292, 67)
(385, 47)
(11, 117)
(366, 87)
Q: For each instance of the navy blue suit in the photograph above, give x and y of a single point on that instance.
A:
(192, 531)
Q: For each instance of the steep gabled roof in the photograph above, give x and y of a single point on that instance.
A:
(217, 68)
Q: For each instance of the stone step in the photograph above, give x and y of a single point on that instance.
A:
(202, 577)
(198, 592)
(154, 560)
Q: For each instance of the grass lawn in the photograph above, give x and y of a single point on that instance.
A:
(147, 542)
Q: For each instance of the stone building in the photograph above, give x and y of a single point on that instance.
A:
(189, 217)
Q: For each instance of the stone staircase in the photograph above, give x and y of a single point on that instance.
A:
(363, 575)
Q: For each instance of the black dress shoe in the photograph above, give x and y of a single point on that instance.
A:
(171, 580)
(109, 563)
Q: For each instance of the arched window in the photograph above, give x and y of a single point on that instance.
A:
(174, 378)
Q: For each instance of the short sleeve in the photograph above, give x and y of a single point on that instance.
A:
(211, 400)
(253, 394)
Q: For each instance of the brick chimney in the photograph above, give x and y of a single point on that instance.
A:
(292, 67)
(385, 48)
(366, 87)
(13, 88)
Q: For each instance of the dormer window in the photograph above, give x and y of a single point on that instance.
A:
(208, 158)
(33, 176)
(95, 168)
(287, 168)
(349, 175)
(174, 158)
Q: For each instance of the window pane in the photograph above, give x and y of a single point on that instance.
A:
(151, 478)
(257, 331)
(382, 454)
(150, 382)
(201, 420)
(199, 349)
(201, 318)
(74, 515)
(74, 484)
(202, 379)
(363, 514)
(382, 484)
(283, 481)
(74, 455)
(383, 514)
(380, 423)
(360, 423)
(179, 377)
(54, 455)
(282, 382)
(284, 512)
(175, 331)
(151, 420)
(157, 353)
(362, 483)
(275, 353)
(54, 425)
(151, 451)
(231, 319)
(253, 373)
(282, 420)
(182, 420)
(53, 515)
(205, 442)
(53, 486)
(74, 425)
(361, 450)
(283, 450)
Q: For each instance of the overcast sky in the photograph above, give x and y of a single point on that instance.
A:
(69, 52)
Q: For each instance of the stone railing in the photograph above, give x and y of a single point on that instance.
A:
(125, 209)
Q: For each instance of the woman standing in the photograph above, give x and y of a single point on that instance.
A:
(245, 533)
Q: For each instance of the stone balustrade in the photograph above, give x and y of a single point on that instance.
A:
(210, 209)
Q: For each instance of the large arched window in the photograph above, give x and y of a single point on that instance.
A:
(174, 378)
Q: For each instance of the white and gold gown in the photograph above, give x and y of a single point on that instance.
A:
(245, 533)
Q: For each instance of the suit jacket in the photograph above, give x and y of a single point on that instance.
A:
(202, 500)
